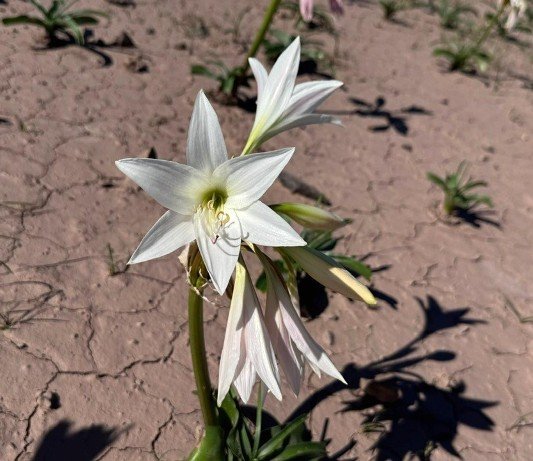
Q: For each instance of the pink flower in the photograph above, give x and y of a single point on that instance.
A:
(306, 8)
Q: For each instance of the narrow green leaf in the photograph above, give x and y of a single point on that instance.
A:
(303, 451)
(22, 19)
(277, 441)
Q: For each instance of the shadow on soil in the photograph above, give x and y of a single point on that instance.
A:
(391, 119)
(410, 416)
(60, 443)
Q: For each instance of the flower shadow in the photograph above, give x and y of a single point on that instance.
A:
(61, 443)
(410, 415)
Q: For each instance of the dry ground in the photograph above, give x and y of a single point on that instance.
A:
(101, 362)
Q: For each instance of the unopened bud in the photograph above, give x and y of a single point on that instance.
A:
(310, 216)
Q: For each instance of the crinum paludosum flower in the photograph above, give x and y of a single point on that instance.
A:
(306, 8)
(282, 105)
(290, 339)
(247, 350)
(212, 199)
(516, 9)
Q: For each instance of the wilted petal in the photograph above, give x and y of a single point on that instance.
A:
(170, 232)
(263, 226)
(261, 76)
(206, 148)
(232, 351)
(336, 6)
(278, 88)
(326, 271)
(245, 380)
(172, 184)
(249, 176)
(219, 255)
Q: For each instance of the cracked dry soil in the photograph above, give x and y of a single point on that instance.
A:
(96, 367)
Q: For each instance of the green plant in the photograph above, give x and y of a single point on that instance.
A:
(58, 18)
(451, 12)
(457, 188)
(391, 7)
(228, 78)
(311, 49)
(246, 441)
(463, 56)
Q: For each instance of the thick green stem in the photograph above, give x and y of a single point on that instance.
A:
(211, 447)
(261, 394)
(260, 36)
(199, 362)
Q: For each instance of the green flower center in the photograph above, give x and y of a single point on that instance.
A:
(211, 210)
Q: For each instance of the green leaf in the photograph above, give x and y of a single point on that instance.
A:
(85, 20)
(354, 265)
(22, 19)
(40, 7)
(303, 451)
(228, 84)
(276, 442)
(70, 25)
(198, 69)
(436, 180)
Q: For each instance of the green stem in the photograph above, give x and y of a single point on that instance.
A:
(493, 21)
(211, 447)
(261, 394)
(260, 36)
(199, 362)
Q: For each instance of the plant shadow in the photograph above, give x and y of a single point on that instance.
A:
(410, 415)
(61, 443)
(396, 120)
(476, 218)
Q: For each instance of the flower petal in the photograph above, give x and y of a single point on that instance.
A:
(219, 257)
(278, 88)
(308, 96)
(249, 176)
(261, 76)
(245, 380)
(232, 351)
(306, 10)
(170, 232)
(302, 120)
(263, 226)
(206, 148)
(172, 184)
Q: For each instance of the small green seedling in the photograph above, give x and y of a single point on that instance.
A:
(457, 188)
(391, 7)
(58, 18)
(451, 13)
(311, 49)
(228, 78)
(464, 57)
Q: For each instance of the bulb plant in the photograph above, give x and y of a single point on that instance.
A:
(58, 18)
(458, 191)
(451, 13)
(466, 55)
(215, 210)
(391, 7)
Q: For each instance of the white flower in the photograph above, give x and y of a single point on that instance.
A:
(290, 338)
(212, 200)
(517, 10)
(280, 104)
(247, 350)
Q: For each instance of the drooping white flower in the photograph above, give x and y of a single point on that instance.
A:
(306, 8)
(247, 351)
(290, 338)
(213, 200)
(280, 104)
(517, 11)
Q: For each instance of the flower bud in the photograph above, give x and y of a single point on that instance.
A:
(327, 272)
(310, 217)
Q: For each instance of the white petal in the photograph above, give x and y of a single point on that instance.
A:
(170, 232)
(232, 350)
(281, 342)
(172, 184)
(219, 257)
(308, 96)
(206, 148)
(263, 226)
(258, 346)
(279, 86)
(302, 120)
(299, 334)
(249, 176)
(245, 380)
(261, 76)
